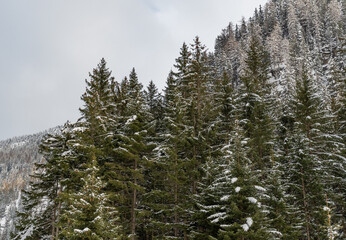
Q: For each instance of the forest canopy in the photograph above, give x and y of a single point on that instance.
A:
(246, 142)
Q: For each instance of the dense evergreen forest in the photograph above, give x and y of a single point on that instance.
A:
(246, 142)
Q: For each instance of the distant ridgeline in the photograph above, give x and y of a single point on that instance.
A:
(246, 142)
(17, 158)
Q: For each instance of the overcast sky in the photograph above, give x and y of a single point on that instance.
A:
(49, 46)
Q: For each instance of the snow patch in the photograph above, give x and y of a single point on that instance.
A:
(131, 119)
(7, 212)
(225, 198)
(81, 231)
(79, 129)
(245, 227)
(252, 199)
(217, 216)
(260, 188)
(233, 180)
(248, 224)
(27, 233)
(237, 189)
(68, 152)
(18, 144)
(249, 221)
(326, 208)
(225, 225)
(276, 232)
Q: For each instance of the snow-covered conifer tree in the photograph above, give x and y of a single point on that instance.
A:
(87, 214)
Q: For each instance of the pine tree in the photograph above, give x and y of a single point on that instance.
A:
(87, 214)
(97, 103)
(292, 20)
(259, 117)
(227, 55)
(305, 166)
(182, 69)
(151, 173)
(337, 166)
(41, 203)
(124, 173)
(255, 95)
(270, 18)
(218, 136)
(229, 202)
(197, 105)
(170, 197)
(225, 104)
(276, 51)
(154, 107)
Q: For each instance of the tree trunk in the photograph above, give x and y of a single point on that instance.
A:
(194, 182)
(176, 200)
(306, 212)
(57, 227)
(133, 206)
(54, 213)
(53, 223)
(329, 219)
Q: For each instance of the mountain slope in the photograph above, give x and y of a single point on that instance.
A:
(17, 158)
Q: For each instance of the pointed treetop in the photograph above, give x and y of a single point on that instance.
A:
(133, 76)
(134, 84)
(98, 91)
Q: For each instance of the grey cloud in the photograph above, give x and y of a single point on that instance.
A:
(48, 47)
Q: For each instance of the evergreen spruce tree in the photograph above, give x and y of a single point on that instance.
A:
(97, 104)
(170, 198)
(88, 215)
(225, 106)
(305, 165)
(258, 117)
(41, 202)
(153, 100)
(242, 194)
(182, 69)
(91, 142)
(198, 106)
(230, 206)
(255, 93)
(337, 166)
(124, 173)
(151, 172)
(218, 137)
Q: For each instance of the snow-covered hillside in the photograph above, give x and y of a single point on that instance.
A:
(17, 158)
